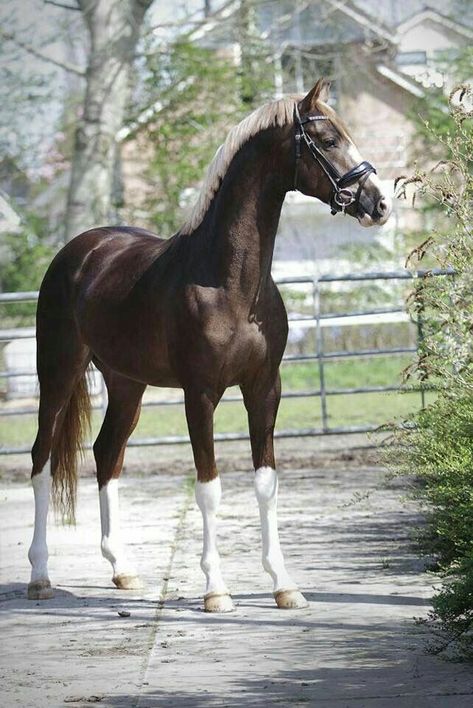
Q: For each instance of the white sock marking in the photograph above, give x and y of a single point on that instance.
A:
(112, 546)
(208, 495)
(38, 552)
(266, 487)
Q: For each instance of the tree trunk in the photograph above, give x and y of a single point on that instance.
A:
(114, 27)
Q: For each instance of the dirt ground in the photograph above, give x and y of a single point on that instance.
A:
(320, 452)
(345, 531)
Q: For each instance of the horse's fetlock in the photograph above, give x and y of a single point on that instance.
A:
(271, 560)
(105, 547)
(38, 552)
(266, 565)
(209, 562)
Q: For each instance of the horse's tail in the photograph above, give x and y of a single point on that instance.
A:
(67, 442)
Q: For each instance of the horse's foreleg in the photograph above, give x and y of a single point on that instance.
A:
(285, 590)
(217, 597)
(199, 412)
(124, 398)
(262, 404)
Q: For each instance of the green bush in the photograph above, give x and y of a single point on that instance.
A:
(24, 265)
(439, 451)
(435, 448)
(453, 607)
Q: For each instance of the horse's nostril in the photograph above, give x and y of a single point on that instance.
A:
(382, 206)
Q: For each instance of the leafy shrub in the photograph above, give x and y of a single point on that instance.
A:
(23, 267)
(436, 447)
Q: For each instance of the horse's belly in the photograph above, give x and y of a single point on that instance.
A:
(155, 371)
(133, 349)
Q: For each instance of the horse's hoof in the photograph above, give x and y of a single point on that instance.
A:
(40, 590)
(290, 600)
(218, 602)
(128, 582)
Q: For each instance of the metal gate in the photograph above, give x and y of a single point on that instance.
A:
(314, 318)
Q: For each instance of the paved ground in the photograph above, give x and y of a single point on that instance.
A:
(355, 646)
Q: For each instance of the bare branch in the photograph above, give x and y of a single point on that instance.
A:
(149, 114)
(8, 37)
(61, 5)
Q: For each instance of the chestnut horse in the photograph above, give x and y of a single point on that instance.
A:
(198, 311)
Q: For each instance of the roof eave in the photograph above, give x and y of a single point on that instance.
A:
(400, 80)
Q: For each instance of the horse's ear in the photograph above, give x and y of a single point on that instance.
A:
(320, 92)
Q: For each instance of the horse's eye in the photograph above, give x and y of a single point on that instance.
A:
(329, 143)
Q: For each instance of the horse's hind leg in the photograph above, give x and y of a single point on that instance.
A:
(123, 410)
(39, 587)
(62, 361)
(262, 401)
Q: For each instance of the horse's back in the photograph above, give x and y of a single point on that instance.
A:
(101, 259)
(107, 244)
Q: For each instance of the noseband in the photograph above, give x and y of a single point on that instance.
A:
(341, 197)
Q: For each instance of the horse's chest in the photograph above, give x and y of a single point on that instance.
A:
(234, 340)
(224, 338)
(229, 347)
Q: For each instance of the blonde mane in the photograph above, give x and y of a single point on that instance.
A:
(278, 113)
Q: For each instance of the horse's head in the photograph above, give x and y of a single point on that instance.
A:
(329, 166)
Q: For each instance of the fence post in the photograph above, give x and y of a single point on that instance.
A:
(420, 332)
(319, 349)
(103, 395)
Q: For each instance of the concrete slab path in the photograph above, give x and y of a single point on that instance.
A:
(344, 533)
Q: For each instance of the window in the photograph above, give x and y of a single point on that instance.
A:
(411, 58)
(300, 67)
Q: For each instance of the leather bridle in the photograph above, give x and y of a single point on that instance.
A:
(341, 197)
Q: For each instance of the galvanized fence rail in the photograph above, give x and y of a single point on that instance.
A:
(316, 320)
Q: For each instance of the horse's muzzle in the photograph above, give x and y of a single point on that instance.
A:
(377, 215)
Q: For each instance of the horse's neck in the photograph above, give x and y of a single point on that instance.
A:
(244, 217)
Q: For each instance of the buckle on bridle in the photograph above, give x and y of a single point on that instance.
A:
(343, 198)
